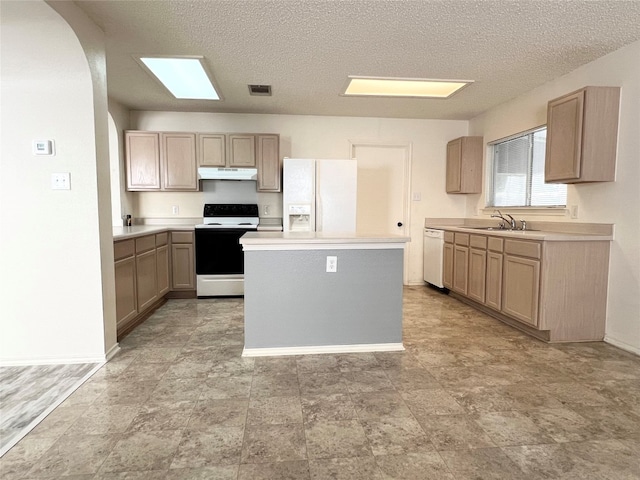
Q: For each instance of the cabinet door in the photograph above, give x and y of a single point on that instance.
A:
(564, 137)
(142, 157)
(126, 304)
(477, 274)
(268, 163)
(146, 279)
(494, 281)
(179, 162)
(454, 159)
(162, 269)
(242, 151)
(447, 272)
(212, 150)
(460, 267)
(520, 291)
(182, 266)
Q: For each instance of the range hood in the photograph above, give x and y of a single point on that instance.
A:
(212, 173)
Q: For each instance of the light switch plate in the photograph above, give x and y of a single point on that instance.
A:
(61, 181)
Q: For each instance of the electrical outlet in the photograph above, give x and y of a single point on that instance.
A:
(61, 181)
(332, 264)
(417, 196)
(175, 209)
(574, 211)
(267, 209)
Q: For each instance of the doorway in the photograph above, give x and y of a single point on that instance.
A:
(384, 177)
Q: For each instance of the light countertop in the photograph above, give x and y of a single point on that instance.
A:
(123, 233)
(319, 240)
(540, 235)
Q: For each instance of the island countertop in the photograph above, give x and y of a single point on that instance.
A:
(320, 240)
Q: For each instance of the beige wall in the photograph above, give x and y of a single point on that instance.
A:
(56, 292)
(325, 137)
(609, 202)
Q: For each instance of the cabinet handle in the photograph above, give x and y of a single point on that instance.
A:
(399, 224)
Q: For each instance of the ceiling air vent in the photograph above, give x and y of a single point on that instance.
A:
(262, 90)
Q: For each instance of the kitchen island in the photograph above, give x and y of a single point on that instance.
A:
(293, 305)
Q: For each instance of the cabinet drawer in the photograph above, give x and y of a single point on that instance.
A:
(448, 237)
(123, 249)
(462, 239)
(145, 243)
(181, 237)
(495, 244)
(523, 249)
(162, 239)
(478, 241)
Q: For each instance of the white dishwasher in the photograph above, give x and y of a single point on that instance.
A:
(433, 251)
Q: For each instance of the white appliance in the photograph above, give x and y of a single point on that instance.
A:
(212, 173)
(219, 255)
(433, 253)
(319, 195)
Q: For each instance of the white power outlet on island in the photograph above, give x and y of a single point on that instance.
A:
(332, 264)
(175, 209)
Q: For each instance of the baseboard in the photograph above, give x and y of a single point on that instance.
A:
(316, 349)
(113, 351)
(622, 345)
(5, 448)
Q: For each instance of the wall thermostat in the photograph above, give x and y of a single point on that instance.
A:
(43, 147)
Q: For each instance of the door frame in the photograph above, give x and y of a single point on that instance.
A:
(406, 189)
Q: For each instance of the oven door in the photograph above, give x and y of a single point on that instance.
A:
(218, 251)
(219, 262)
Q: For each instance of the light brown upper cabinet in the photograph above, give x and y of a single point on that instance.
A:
(212, 150)
(178, 155)
(143, 160)
(582, 135)
(242, 151)
(464, 165)
(268, 162)
(161, 161)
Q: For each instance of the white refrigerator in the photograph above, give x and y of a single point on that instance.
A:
(319, 195)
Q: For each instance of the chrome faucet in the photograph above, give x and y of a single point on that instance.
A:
(511, 221)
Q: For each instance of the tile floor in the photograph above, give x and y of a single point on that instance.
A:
(470, 398)
(28, 392)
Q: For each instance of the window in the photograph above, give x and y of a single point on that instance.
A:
(517, 178)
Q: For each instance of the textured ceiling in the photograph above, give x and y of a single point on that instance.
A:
(306, 49)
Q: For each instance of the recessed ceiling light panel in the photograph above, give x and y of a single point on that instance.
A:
(184, 77)
(403, 87)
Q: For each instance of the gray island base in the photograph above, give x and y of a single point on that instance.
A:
(294, 306)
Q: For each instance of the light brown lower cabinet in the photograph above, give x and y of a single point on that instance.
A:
(146, 279)
(493, 290)
(183, 261)
(477, 274)
(460, 266)
(126, 302)
(142, 277)
(554, 290)
(162, 270)
(521, 287)
(447, 268)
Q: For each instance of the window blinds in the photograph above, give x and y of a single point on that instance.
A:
(518, 173)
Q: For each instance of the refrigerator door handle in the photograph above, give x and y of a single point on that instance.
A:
(318, 212)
